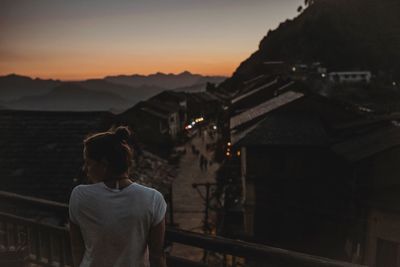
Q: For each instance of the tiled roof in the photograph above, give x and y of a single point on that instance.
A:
(264, 91)
(161, 106)
(169, 94)
(264, 108)
(255, 90)
(155, 113)
(323, 113)
(201, 97)
(287, 129)
(41, 152)
(368, 144)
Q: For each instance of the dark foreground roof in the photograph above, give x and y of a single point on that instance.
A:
(367, 144)
(283, 129)
(41, 152)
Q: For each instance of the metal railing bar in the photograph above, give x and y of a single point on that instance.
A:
(30, 222)
(211, 243)
(33, 201)
(246, 249)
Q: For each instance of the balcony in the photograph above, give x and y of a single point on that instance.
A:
(32, 242)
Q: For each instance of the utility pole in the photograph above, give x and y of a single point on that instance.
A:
(206, 225)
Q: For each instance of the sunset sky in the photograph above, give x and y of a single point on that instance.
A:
(78, 39)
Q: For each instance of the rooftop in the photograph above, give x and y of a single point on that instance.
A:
(42, 151)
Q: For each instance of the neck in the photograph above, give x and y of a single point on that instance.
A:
(118, 182)
(118, 177)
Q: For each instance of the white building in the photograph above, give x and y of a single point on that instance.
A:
(350, 76)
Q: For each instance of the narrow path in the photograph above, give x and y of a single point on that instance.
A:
(188, 204)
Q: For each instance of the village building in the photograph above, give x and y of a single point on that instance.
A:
(203, 104)
(373, 156)
(318, 176)
(177, 99)
(156, 124)
(293, 185)
(350, 76)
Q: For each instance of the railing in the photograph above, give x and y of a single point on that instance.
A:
(34, 242)
(48, 245)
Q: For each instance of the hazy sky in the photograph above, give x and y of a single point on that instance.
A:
(76, 39)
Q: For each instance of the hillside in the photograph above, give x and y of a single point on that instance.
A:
(341, 34)
(131, 94)
(15, 86)
(23, 92)
(70, 96)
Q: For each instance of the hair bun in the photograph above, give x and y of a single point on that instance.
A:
(122, 133)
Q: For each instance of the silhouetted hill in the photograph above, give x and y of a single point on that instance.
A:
(71, 96)
(24, 92)
(200, 87)
(132, 94)
(15, 86)
(341, 34)
(167, 81)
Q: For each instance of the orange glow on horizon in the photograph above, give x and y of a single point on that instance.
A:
(92, 39)
(70, 67)
(100, 71)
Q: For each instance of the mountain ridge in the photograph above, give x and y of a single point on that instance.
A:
(70, 96)
(18, 92)
(341, 34)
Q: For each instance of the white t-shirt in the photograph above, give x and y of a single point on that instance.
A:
(115, 224)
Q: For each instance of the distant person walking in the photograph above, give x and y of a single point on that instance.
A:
(115, 222)
(193, 150)
(201, 162)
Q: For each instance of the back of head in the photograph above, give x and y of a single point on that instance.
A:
(112, 147)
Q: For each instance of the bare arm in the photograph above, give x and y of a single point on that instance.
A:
(77, 244)
(156, 245)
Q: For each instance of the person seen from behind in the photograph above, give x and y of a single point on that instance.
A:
(115, 222)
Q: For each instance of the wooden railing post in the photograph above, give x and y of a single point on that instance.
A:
(6, 232)
(14, 235)
(50, 248)
(37, 243)
(62, 251)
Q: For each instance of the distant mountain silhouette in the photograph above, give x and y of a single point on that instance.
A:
(167, 81)
(15, 86)
(21, 92)
(71, 96)
(132, 94)
(341, 34)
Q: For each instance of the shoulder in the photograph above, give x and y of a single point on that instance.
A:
(151, 193)
(145, 189)
(82, 190)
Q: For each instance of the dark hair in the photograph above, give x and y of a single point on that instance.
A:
(112, 146)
